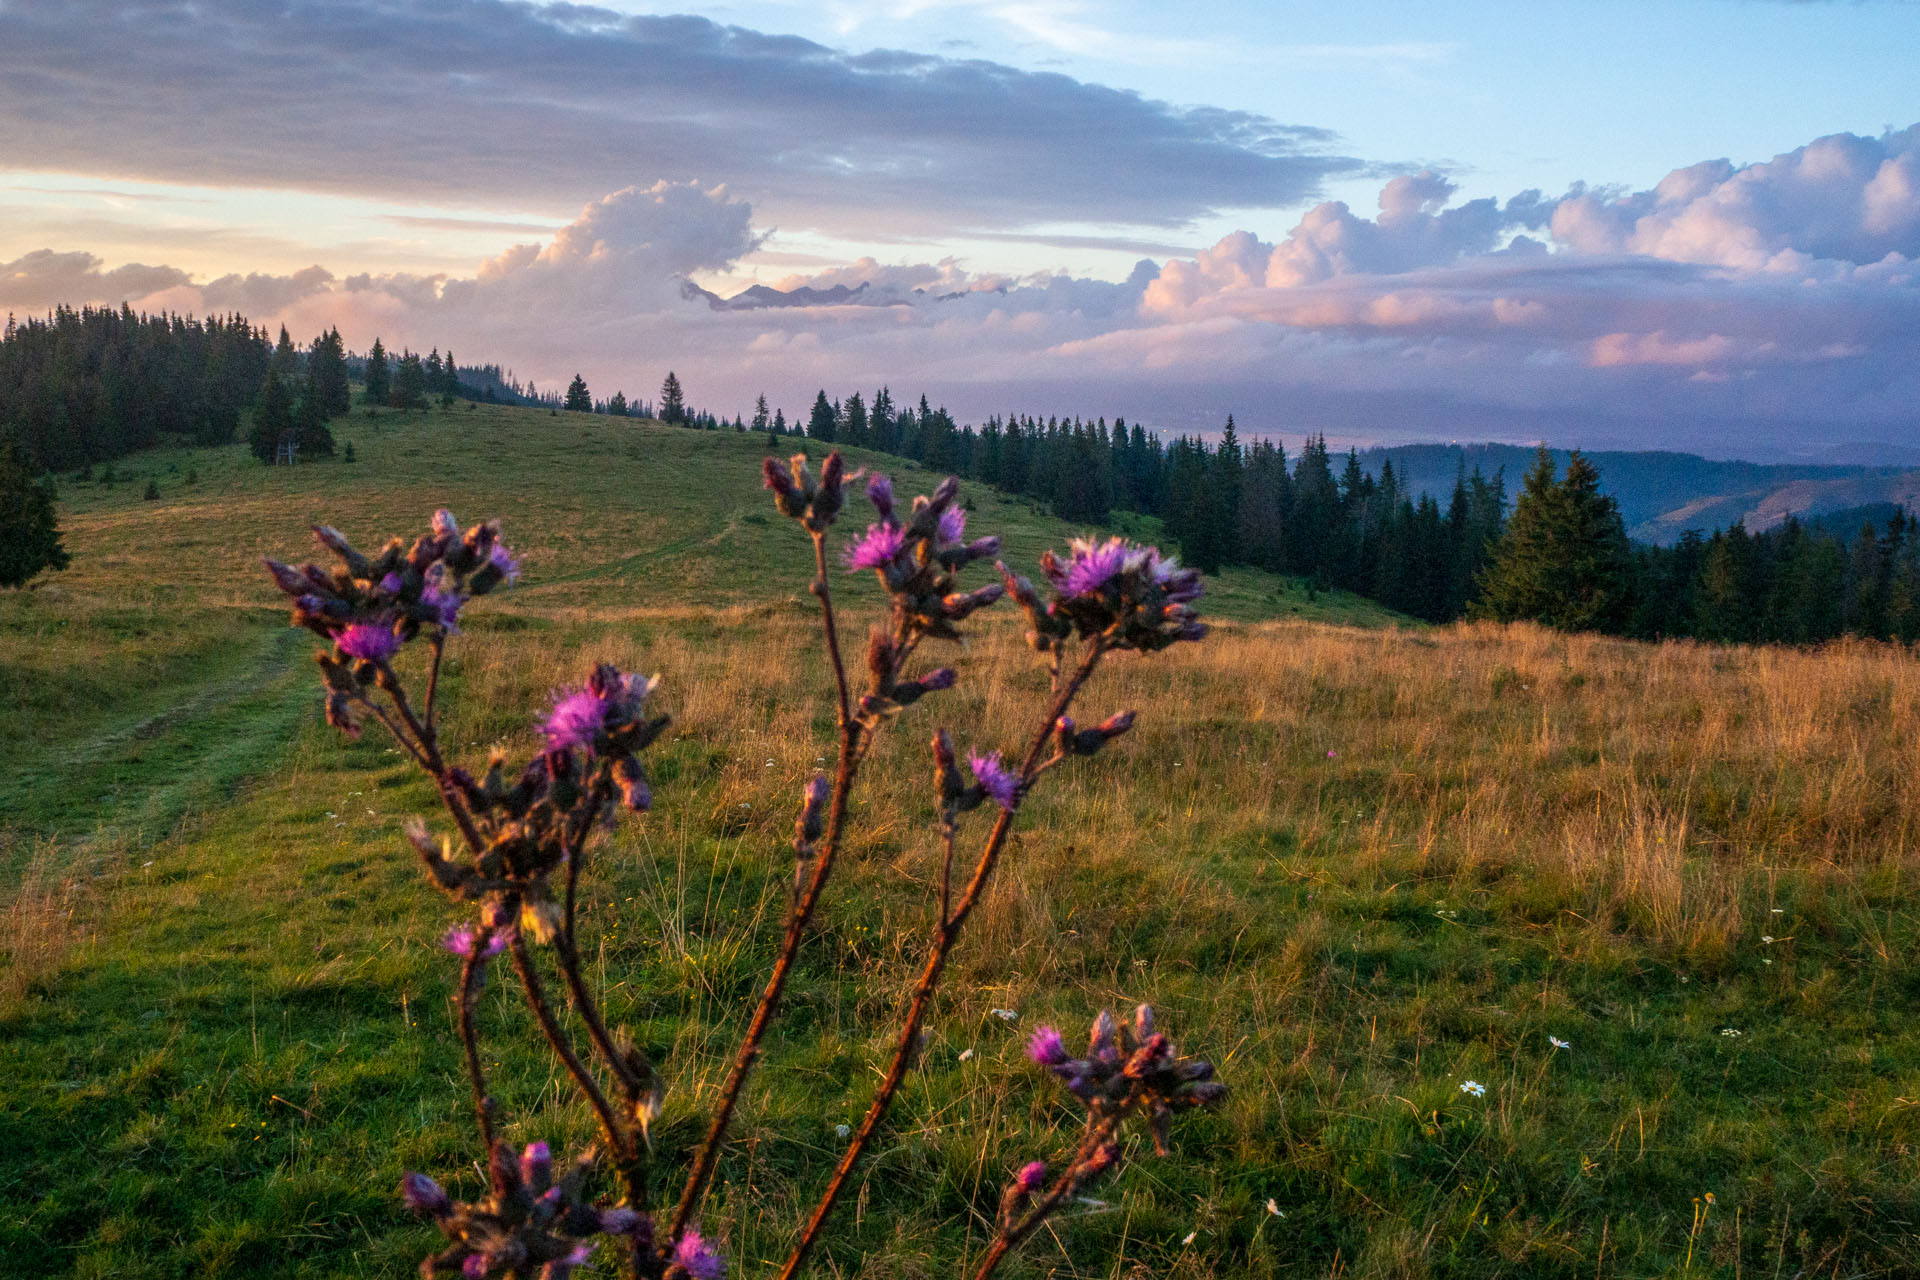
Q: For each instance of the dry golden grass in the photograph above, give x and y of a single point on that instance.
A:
(41, 924)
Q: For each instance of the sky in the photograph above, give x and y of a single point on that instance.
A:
(1688, 224)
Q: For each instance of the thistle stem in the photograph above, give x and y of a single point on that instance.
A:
(707, 1157)
(945, 935)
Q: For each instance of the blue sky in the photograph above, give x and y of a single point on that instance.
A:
(1685, 223)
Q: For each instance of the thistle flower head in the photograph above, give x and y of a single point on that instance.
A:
(1046, 1047)
(1000, 783)
(368, 641)
(1033, 1176)
(463, 941)
(424, 1196)
(441, 601)
(444, 525)
(1090, 566)
(503, 560)
(1131, 595)
(701, 1261)
(575, 719)
(876, 549)
(953, 525)
(880, 494)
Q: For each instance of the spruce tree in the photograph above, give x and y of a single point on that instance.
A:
(761, 421)
(379, 376)
(1565, 560)
(272, 418)
(823, 423)
(409, 383)
(579, 399)
(617, 407)
(673, 405)
(29, 531)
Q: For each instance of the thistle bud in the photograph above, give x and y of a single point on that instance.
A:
(946, 770)
(286, 577)
(340, 715)
(787, 495)
(880, 494)
(1033, 1176)
(829, 495)
(813, 814)
(333, 540)
(631, 778)
(1143, 1023)
(424, 1196)
(536, 1167)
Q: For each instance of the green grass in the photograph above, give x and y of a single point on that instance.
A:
(1355, 867)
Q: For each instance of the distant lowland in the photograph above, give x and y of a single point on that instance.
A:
(1663, 494)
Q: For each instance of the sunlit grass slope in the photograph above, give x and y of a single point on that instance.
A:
(1357, 867)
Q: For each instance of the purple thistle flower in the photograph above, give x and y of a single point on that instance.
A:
(953, 525)
(476, 1266)
(444, 602)
(461, 940)
(367, 641)
(1046, 1047)
(938, 678)
(445, 525)
(876, 549)
(503, 559)
(392, 583)
(422, 1195)
(1091, 566)
(701, 1262)
(1033, 1175)
(880, 494)
(561, 1268)
(576, 719)
(996, 780)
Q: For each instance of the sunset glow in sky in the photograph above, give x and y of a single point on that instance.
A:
(1689, 224)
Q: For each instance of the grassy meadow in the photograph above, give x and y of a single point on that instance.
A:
(1357, 865)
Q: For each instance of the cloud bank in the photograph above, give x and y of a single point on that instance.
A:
(1740, 310)
(532, 106)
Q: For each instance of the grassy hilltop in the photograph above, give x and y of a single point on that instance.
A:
(1356, 865)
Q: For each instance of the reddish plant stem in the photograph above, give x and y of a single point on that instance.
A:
(945, 934)
(471, 970)
(557, 1040)
(1010, 1237)
(707, 1157)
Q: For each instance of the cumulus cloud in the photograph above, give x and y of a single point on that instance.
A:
(1428, 319)
(1841, 198)
(535, 105)
(43, 278)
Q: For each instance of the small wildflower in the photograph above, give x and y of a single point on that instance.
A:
(1189, 1238)
(1558, 1043)
(1766, 938)
(1273, 1208)
(1033, 1175)
(1046, 1047)
(1730, 1031)
(1474, 1088)
(842, 1130)
(1005, 1015)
